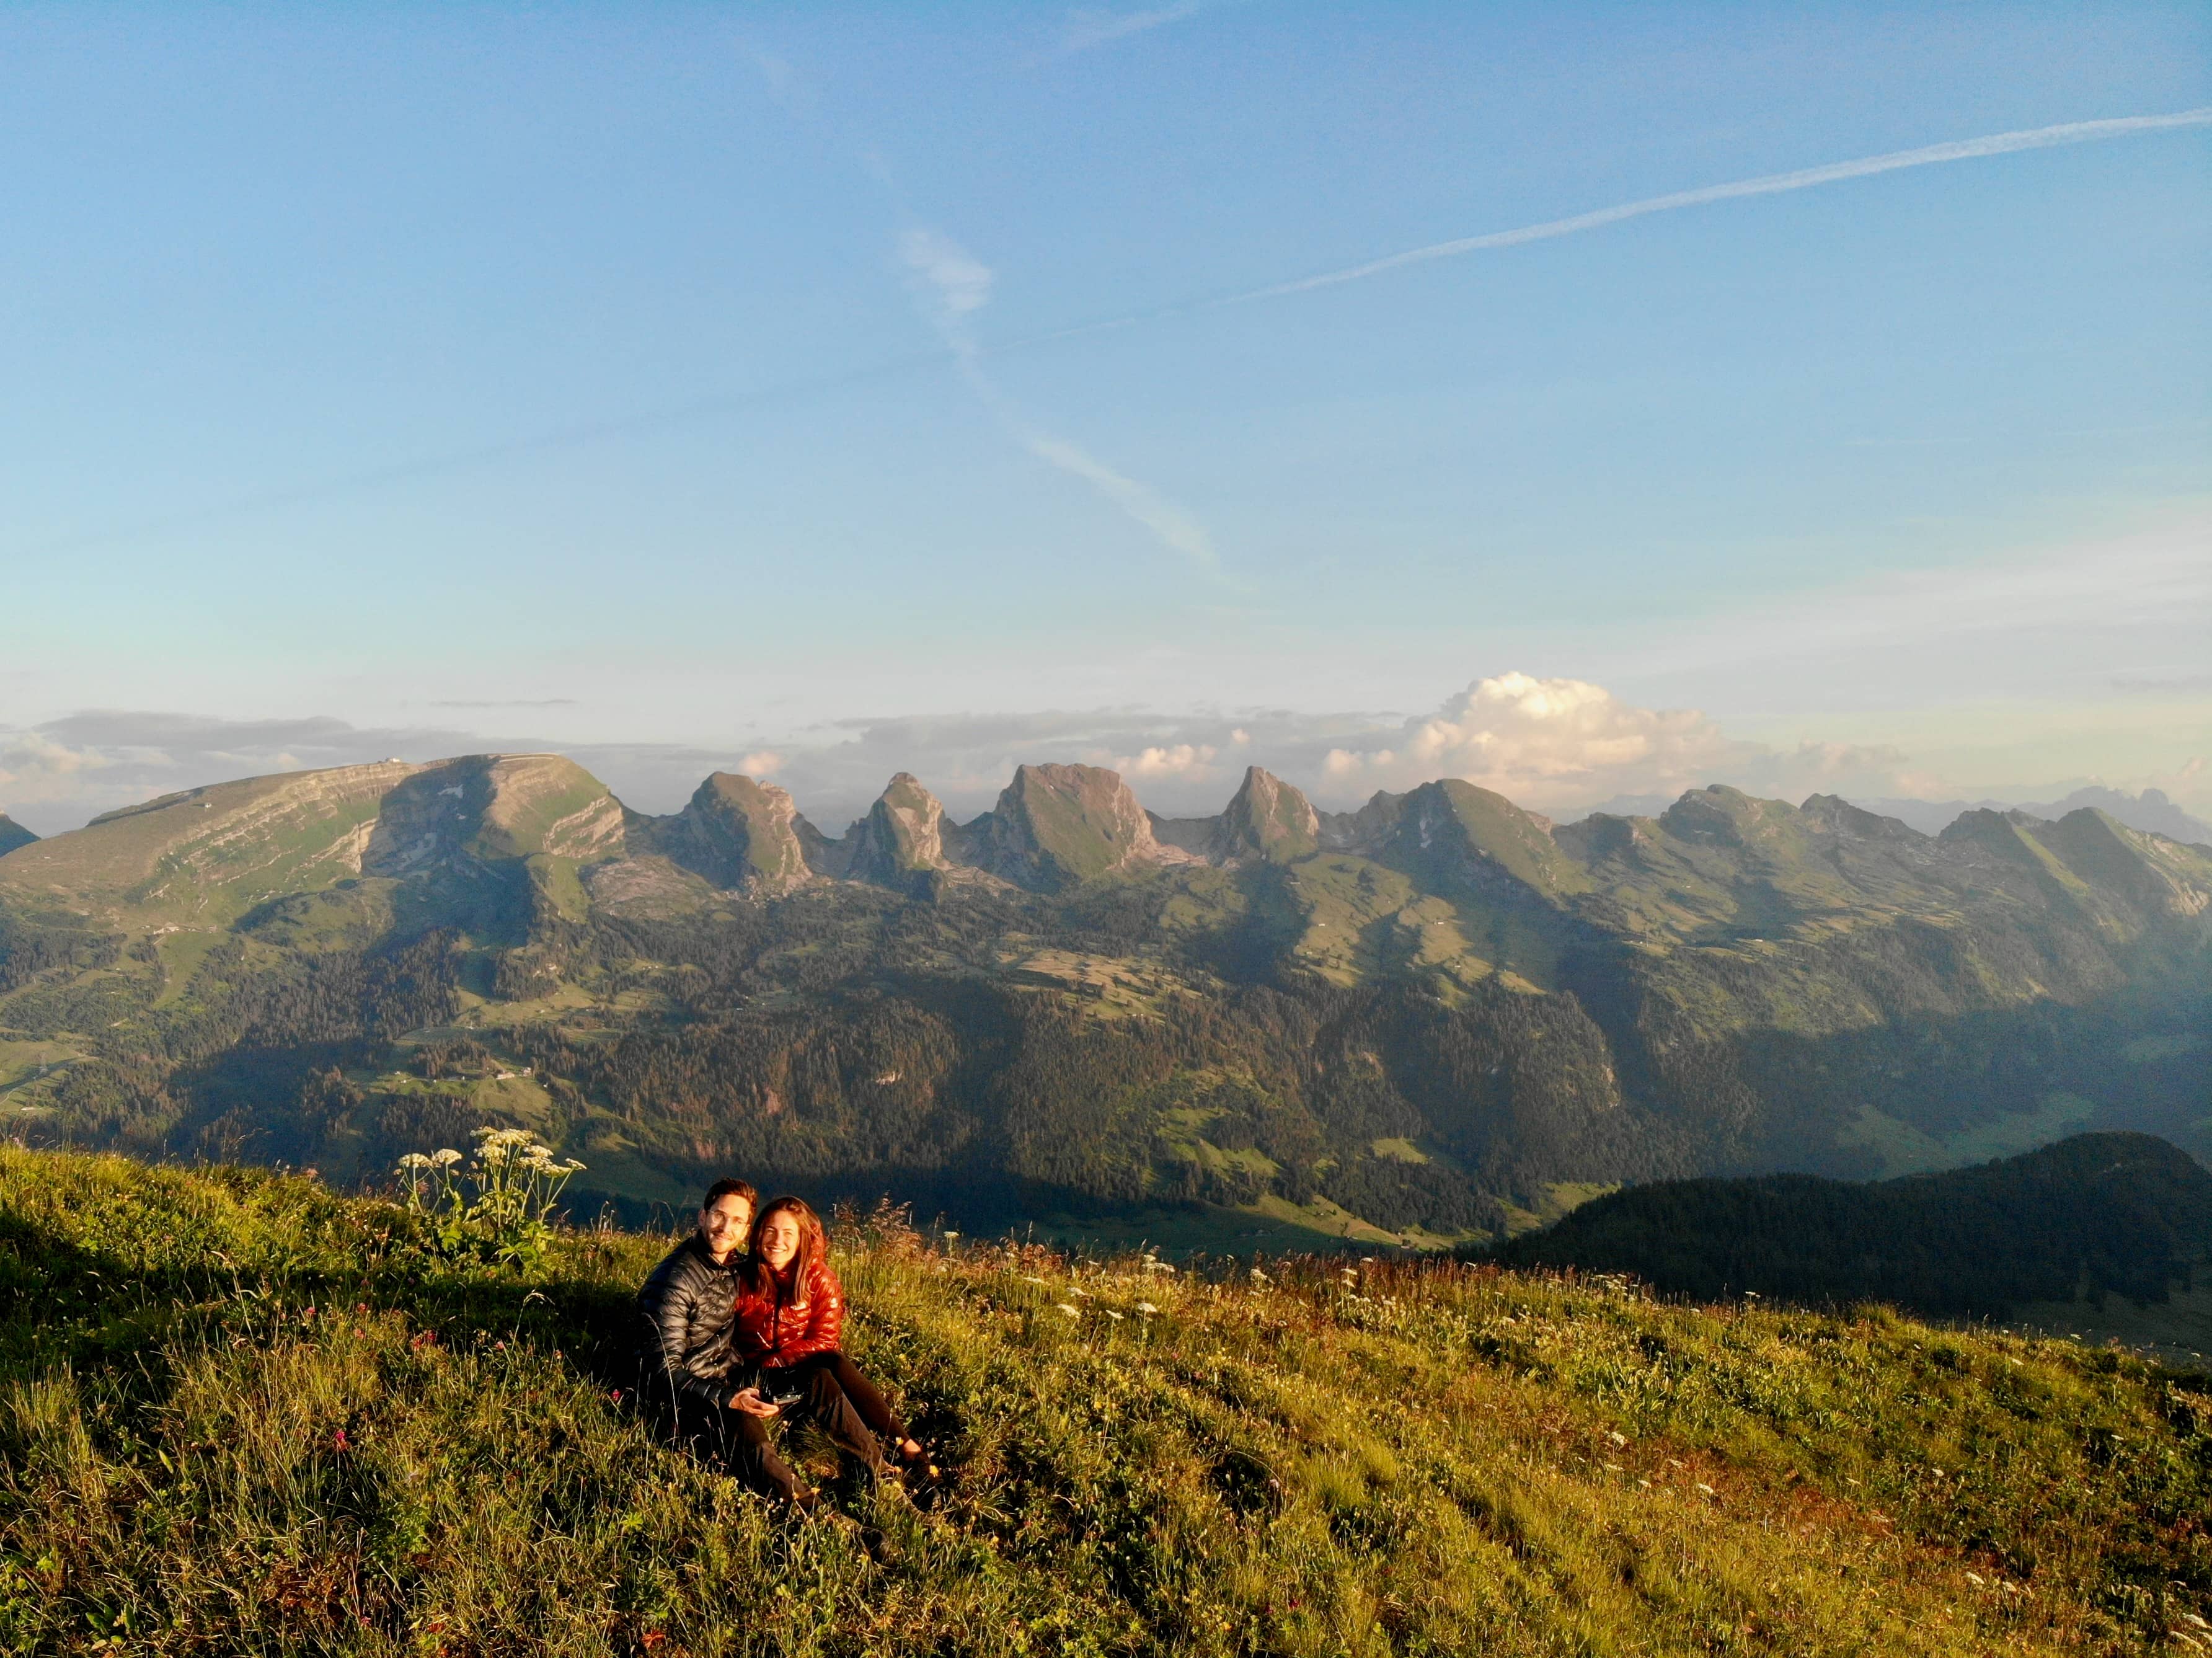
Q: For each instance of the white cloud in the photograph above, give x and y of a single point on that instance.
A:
(766, 763)
(951, 283)
(1183, 759)
(1564, 745)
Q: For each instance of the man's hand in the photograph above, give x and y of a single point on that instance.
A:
(752, 1404)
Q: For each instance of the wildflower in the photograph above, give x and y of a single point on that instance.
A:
(1072, 1312)
(413, 1161)
(1146, 1308)
(307, 1312)
(1259, 1277)
(1975, 1578)
(1706, 1489)
(951, 1237)
(1151, 1266)
(614, 1396)
(338, 1441)
(1610, 1468)
(444, 1156)
(1111, 1314)
(1617, 1438)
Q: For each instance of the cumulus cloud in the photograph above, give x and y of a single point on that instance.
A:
(1563, 743)
(1183, 759)
(1515, 733)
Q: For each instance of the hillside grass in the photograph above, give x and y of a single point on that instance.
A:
(239, 1413)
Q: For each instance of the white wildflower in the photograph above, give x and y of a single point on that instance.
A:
(1072, 1312)
(1259, 1277)
(1706, 1489)
(444, 1156)
(1029, 1278)
(414, 1160)
(951, 1237)
(1146, 1308)
(1111, 1314)
(1151, 1266)
(1975, 1578)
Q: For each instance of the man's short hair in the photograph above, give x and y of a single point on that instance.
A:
(724, 1188)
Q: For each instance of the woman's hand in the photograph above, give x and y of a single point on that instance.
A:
(750, 1403)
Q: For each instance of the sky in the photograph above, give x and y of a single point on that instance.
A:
(1594, 402)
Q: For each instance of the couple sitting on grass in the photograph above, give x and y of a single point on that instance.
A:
(741, 1325)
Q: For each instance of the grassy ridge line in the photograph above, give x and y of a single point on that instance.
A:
(1403, 1459)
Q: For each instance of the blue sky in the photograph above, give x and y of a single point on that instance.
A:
(690, 386)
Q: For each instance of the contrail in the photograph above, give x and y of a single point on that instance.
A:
(1774, 184)
(2002, 143)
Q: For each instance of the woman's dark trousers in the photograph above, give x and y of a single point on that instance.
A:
(744, 1445)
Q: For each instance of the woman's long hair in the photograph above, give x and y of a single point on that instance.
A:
(813, 1244)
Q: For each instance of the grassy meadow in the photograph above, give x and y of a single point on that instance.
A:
(241, 1413)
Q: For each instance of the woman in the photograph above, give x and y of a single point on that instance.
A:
(789, 1318)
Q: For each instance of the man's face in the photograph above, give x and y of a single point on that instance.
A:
(723, 1223)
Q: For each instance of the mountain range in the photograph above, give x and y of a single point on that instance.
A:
(1437, 1016)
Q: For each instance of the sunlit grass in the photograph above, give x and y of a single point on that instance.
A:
(242, 1415)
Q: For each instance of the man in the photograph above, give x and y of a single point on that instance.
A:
(684, 1357)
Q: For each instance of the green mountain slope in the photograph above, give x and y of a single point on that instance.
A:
(243, 1414)
(1417, 1023)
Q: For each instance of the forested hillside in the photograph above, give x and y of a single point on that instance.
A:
(1437, 1018)
(2095, 1216)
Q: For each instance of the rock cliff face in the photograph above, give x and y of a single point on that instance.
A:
(1267, 819)
(490, 809)
(902, 837)
(13, 834)
(740, 834)
(1055, 826)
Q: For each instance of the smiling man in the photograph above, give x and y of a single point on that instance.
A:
(683, 1353)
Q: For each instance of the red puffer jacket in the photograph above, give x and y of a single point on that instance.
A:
(782, 1323)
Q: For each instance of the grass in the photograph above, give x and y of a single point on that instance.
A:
(239, 1413)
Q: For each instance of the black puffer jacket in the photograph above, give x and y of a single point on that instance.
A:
(684, 1335)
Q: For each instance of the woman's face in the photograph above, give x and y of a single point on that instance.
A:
(778, 1239)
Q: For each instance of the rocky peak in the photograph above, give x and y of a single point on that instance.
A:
(741, 834)
(1830, 814)
(492, 806)
(902, 836)
(1056, 826)
(1266, 819)
(13, 834)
